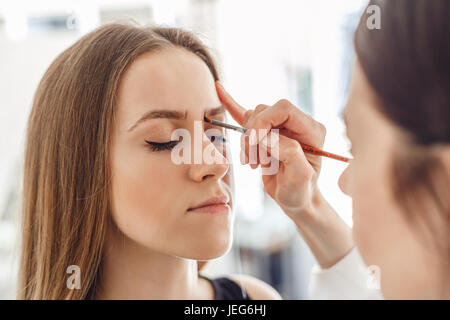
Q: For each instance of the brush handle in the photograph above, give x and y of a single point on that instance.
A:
(319, 152)
(228, 126)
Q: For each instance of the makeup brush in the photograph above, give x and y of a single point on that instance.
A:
(306, 148)
(225, 125)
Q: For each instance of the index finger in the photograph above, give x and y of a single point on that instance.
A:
(236, 111)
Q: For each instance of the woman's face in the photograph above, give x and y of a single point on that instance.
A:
(382, 232)
(151, 194)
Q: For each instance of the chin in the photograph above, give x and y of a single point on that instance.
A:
(201, 249)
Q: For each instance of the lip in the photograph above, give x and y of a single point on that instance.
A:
(213, 205)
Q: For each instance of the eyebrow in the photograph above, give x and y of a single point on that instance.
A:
(215, 111)
(172, 114)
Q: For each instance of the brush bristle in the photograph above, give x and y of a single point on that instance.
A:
(207, 119)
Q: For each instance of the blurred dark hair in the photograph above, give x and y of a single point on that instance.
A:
(407, 63)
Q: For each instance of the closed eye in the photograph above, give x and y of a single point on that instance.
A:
(160, 146)
(169, 145)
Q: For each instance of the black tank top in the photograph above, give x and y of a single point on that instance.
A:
(227, 289)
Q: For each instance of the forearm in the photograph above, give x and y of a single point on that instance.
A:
(326, 234)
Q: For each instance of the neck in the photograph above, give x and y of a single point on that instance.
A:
(133, 271)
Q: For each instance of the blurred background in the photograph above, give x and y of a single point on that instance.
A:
(266, 50)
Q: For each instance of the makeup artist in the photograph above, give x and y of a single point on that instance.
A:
(398, 121)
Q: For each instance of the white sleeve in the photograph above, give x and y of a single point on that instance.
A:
(349, 278)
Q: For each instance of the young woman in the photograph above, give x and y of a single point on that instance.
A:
(398, 121)
(102, 198)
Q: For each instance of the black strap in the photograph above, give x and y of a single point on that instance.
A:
(227, 289)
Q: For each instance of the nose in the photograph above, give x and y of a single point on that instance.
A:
(216, 170)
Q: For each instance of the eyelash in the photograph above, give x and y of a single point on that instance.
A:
(160, 146)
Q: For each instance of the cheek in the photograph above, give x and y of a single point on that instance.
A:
(140, 208)
(228, 179)
(380, 229)
(372, 205)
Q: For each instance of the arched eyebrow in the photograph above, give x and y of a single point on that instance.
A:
(158, 114)
(215, 111)
(172, 114)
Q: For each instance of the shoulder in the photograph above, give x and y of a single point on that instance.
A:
(256, 289)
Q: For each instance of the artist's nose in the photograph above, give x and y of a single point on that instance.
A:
(215, 167)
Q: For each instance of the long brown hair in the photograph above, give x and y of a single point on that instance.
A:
(407, 62)
(66, 192)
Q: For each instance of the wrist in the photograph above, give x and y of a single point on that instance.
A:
(310, 214)
(326, 234)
